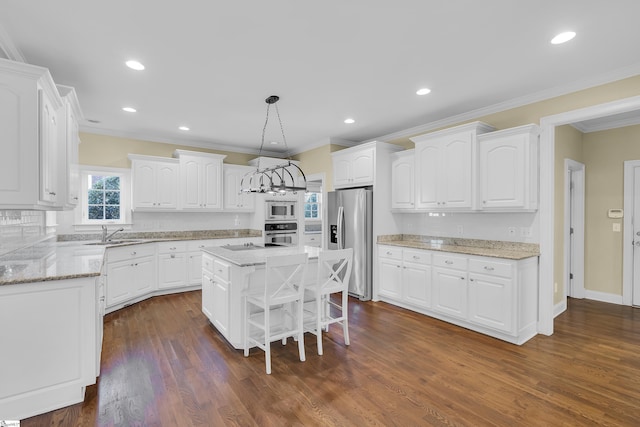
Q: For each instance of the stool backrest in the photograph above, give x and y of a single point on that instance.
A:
(334, 270)
(284, 278)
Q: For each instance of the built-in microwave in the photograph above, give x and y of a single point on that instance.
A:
(280, 210)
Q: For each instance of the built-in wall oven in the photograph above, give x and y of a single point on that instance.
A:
(280, 210)
(281, 234)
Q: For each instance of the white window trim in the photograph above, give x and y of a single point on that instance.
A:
(81, 221)
(320, 204)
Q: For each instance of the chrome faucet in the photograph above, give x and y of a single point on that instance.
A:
(106, 237)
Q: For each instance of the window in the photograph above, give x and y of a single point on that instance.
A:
(104, 196)
(312, 203)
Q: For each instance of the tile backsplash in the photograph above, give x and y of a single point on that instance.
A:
(20, 228)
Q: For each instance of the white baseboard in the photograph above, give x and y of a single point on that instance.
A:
(560, 308)
(603, 297)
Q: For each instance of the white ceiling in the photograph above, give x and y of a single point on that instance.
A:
(210, 65)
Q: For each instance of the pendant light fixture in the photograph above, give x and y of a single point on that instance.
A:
(279, 179)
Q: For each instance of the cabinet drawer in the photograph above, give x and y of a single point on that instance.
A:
(196, 245)
(393, 252)
(207, 262)
(416, 256)
(130, 251)
(172, 247)
(450, 261)
(494, 268)
(221, 270)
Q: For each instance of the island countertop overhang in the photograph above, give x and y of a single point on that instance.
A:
(252, 257)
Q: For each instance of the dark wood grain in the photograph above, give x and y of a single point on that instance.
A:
(163, 364)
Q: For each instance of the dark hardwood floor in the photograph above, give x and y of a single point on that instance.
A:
(163, 364)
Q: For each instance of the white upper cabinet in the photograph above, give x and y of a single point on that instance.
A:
(29, 114)
(154, 182)
(508, 169)
(200, 180)
(444, 167)
(402, 180)
(354, 167)
(70, 142)
(233, 198)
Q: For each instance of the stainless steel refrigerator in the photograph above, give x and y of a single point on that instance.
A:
(350, 221)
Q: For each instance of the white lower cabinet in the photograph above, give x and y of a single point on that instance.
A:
(494, 296)
(215, 292)
(405, 275)
(172, 265)
(131, 272)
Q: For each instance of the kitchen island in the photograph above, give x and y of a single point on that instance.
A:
(227, 272)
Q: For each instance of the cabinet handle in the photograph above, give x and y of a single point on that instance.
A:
(389, 253)
(52, 193)
(471, 280)
(172, 249)
(416, 257)
(75, 198)
(462, 278)
(173, 255)
(133, 253)
(486, 267)
(448, 262)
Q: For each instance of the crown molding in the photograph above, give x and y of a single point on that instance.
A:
(619, 74)
(184, 142)
(322, 143)
(9, 48)
(586, 127)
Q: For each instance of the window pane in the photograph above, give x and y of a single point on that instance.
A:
(96, 197)
(96, 212)
(112, 183)
(112, 212)
(112, 198)
(97, 182)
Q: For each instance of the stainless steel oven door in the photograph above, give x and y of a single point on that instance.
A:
(282, 238)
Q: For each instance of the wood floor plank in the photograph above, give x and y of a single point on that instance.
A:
(163, 364)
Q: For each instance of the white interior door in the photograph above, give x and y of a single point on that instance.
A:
(636, 236)
(574, 228)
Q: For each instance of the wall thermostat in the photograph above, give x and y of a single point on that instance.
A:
(615, 213)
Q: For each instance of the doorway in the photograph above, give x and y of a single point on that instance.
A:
(574, 229)
(631, 238)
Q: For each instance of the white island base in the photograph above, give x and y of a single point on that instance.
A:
(225, 276)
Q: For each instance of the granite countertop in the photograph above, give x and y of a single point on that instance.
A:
(488, 248)
(74, 256)
(251, 257)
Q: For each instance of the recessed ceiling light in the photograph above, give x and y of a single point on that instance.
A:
(185, 128)
(274, 143)
(423, 91)
(135, 65)
(129, 109)
(349, 121)
(563, 37)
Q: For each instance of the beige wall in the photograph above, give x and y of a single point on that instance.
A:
(568, 146)
(604, 156)
(319, 160)
(111, 151)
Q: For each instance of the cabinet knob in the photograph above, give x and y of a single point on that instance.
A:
(75, 198)
(172, 249)
(173, 255)
(52, 193)
(133, 253)
(471, 280)
(416, 257)
(389, 253)
(486, 267)
(484, 201)
(462, 278)
(448, 262)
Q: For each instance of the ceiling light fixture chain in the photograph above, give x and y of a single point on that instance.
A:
(278, 179)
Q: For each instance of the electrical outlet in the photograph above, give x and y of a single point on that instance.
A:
(460, 230)
(511, 231)
(616, 227)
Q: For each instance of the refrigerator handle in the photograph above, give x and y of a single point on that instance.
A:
(340, 227)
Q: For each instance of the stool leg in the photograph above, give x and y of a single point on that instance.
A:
(320, 307)
(345, 317)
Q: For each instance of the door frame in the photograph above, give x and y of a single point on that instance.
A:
(627, 237)
(574, 171)
(547, 193)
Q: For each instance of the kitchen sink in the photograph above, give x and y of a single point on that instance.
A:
(114, 242)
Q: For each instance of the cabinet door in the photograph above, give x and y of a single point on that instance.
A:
(450, 292)
(427, 172)
(120, 279)
(167, 185)
(221, 305)
(172, 270)
(192, 181)
(502, 172)
(144, 184)
(194, 268)
(145, 275)
(390, 278)
(342, 170)
(233, 199)
(212, 185)
(417, 282)
(73, 167)
(457, 171)
(491, 302)
(207, 295)
(402, 179)
(363, 169)
(47, 139)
